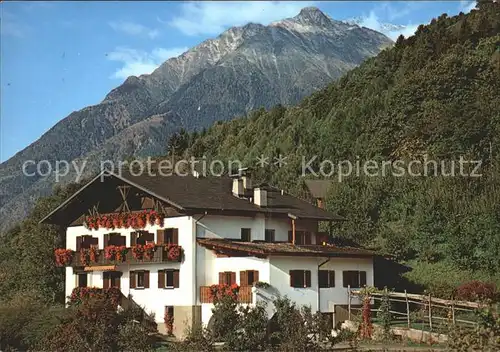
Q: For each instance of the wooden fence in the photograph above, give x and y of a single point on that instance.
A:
(422, 312)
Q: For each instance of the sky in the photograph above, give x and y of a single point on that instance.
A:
(59, 57)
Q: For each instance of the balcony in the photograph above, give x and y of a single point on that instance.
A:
(160, 254)
(244, 294)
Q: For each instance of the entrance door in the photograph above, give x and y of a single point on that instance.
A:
(82, 280)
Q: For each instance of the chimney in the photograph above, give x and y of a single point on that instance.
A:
(260, 197)
(238, 190)
(247, 182)
(320, 203)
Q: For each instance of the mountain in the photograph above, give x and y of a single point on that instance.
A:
(245, 68)
(431, 99)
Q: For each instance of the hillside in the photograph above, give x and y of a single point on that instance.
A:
(433, 94)
(245, 68)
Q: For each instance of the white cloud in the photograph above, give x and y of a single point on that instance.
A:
(133, 28)
(467, 6)
(137, 62)
(372, 21)
(211, 18)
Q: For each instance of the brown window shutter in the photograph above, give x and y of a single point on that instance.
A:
(292, 281)
(106, 281)
(133, 238)
(331, 279)
(161, 278)
(221, 278)
(146, 279)
(175, 236)
(79, 240)
(106, 239)
(307, 278)
(176, 278)
(345, 278)
(362, 278)
(243, 278)
(119, 282)
(290, 236)
(160, 236)
(255, 276)
(132, 279)
(233, 278)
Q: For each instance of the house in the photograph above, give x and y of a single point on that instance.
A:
(317, 190)
(165, 240)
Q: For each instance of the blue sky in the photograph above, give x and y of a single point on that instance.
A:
(58, 57)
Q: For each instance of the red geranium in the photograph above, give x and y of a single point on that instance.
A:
(63, 256)
(174, 252)
(117, 253)
(217, 291)
(121, 220)
(144, 251)
(81, 294)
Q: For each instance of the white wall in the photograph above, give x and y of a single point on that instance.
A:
(154, 298)
(216, 226)
(338, 294)
(280, 279)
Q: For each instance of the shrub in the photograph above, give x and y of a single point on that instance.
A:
(250, 334)
(224, 318)
(132, 337)
(294, 329)
(476, 291)
(24, 321)
(197, 338)
(95, 325)
(484, 337)
(384, 315)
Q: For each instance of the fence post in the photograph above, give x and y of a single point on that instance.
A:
(453, 312)
(349, 301)
(430, 312)
(407, 309)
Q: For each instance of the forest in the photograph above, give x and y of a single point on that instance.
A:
(433, 96)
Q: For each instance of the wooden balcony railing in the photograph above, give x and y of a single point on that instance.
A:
(160, 255)
(244, 294)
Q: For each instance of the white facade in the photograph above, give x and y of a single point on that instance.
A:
(201, 266)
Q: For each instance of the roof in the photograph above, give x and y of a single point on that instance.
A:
(262, 248)
(195, 194)
(318, 188)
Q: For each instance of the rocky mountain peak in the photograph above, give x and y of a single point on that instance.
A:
(313, 16)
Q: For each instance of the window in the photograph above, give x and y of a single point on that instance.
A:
(227, 278)
(326, 278)
(82, 280)
(248, 277)
(86, 242)
(269, 235)
(139, 279)
(300, 278)
(141, 237)
(111, 279)
(168, 278)
(114, 239)
(246, 235)
(301, 237)
(354, 279)
(170, 235)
